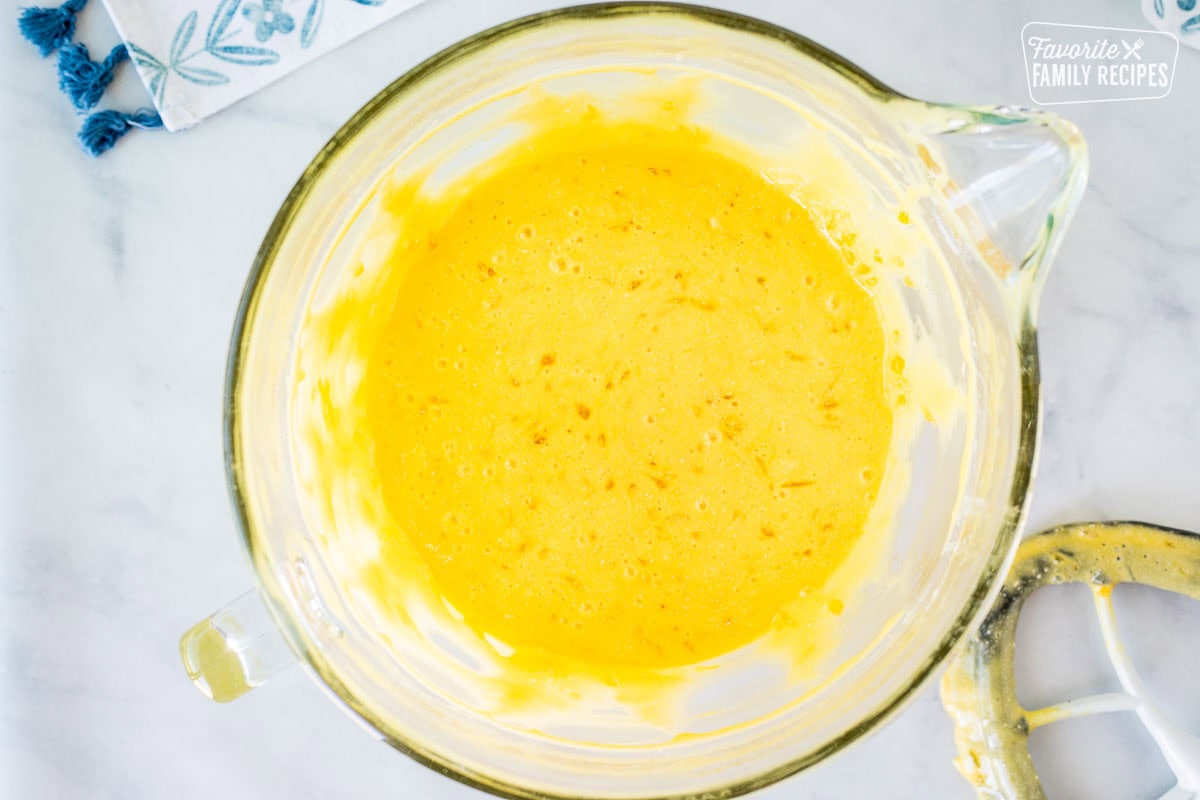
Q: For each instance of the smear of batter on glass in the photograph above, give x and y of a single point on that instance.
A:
(629, 402)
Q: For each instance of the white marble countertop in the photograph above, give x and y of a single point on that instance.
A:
(118, 285)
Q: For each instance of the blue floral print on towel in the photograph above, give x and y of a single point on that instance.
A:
(224, 48)
(268, 18)
(197, 57)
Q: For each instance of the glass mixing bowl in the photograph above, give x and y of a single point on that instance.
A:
(987, 192)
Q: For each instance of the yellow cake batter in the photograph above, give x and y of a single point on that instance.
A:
(630, 401)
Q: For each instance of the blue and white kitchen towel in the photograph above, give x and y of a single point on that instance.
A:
(195, 56)
(1180, 18)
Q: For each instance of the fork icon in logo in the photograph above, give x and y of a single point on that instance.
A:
(1132, 49)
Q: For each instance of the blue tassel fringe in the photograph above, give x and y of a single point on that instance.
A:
(101, 130)
(50, 28)
(84, 80)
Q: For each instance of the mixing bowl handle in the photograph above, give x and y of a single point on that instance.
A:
(1012, 177)
(235, 649)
